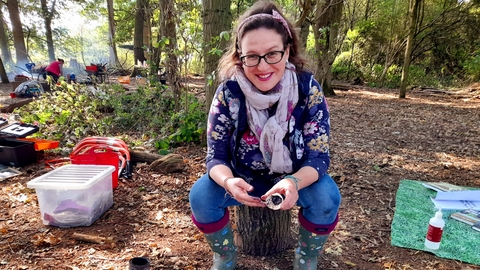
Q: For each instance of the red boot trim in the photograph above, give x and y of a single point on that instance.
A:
(215, 226)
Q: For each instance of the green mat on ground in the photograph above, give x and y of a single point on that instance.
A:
(410, 223)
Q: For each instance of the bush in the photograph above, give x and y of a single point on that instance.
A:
(341, 69)
(69, 113)
(73, 112)
(472, 68)
(150, 111)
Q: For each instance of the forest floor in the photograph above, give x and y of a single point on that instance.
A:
(377, 140)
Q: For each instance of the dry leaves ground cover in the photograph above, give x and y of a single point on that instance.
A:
(377, 140)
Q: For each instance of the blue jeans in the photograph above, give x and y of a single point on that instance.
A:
(319, 201)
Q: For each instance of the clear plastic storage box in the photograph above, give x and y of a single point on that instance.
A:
(74, 195)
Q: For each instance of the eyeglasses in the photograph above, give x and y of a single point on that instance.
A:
(252, 60)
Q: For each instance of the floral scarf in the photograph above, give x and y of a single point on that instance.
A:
(271, 131)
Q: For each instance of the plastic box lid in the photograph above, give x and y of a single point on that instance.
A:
(18, 130)
(72, 177)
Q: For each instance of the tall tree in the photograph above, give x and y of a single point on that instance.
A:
(111, 34)
(169, 31)
(7, 57)
(140, 12)
(47, 15)
(393, 31)
(304, 20)
(17, 30)
(413, 12)
(3, 73)
(217, 17)
(327, 40)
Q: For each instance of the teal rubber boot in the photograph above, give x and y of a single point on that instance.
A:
(310, 246)
(225, 252)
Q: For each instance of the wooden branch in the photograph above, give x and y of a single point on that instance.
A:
(346, 87)
(432, 90)
(141, 156)
(92, 238)
(11, 107)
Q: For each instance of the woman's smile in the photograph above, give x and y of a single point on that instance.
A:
(265, 77)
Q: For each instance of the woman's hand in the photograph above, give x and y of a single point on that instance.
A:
(288, 189)
(239, 189)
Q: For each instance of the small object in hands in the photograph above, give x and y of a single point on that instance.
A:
(139, 263)
(274, 201)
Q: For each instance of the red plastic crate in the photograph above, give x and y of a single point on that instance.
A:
(91, 68)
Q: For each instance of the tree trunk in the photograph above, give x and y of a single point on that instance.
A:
(3, 73)
(7, 57)
(327, 43)
(216, 18)
(262, 231)
(138, 53)
(413, 15)
(169, 30)
(147, 31)
(47, 17)
(111, 34)
(17, 29)
(303, 22)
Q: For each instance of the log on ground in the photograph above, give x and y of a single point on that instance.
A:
(168, 164)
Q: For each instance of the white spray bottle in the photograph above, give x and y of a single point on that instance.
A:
(435, 231)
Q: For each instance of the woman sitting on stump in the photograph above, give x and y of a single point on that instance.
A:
(268, 132)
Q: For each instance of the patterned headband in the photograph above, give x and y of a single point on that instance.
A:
(275, 15)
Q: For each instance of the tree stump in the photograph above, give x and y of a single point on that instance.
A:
(262, 231)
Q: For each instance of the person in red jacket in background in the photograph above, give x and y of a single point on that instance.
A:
(55, 69)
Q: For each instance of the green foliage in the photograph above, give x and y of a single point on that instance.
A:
(211, 78)
(225, 35)
(186, 126)
(343, 70)
(67, 114)
(142, 111)
(391, 80)
(394, 76)
(472, 67)
(417, 76)
(150, 111)
(73, 112)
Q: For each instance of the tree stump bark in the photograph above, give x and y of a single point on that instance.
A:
(262, 231)
(141, 156)
(158, 163)
(168, 164)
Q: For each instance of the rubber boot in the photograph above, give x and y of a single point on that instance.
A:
(311, 239)
(219, 236)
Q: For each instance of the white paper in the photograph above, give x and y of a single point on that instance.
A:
(457, 205)
(466, 195)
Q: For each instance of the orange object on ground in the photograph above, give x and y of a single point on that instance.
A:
(42, 144)
(124, 79)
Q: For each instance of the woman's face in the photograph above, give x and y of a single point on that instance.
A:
(261, 42)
